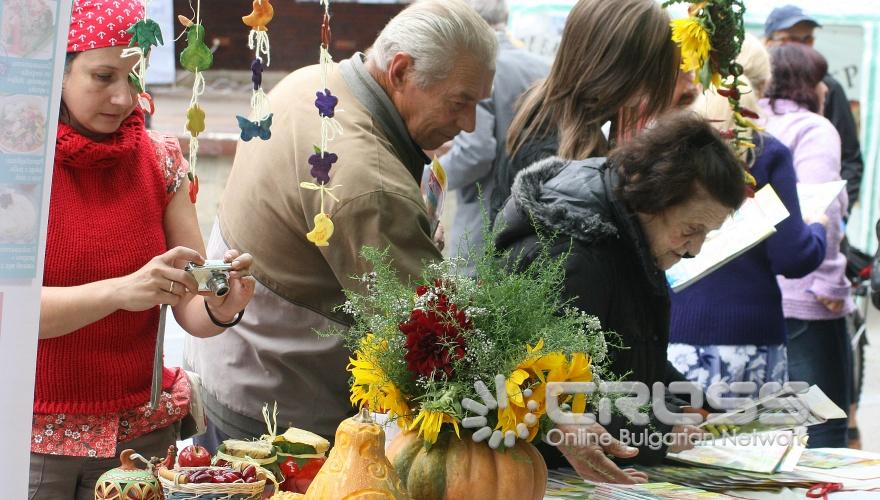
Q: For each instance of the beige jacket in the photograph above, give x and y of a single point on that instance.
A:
(274, 354)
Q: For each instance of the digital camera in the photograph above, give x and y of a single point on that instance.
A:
(212, 276)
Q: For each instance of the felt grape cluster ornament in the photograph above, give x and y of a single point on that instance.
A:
(260, 121)
(196, 57)
(322, 160)
(710, 39)
(145, 34)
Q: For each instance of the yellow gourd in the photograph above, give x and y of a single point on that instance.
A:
(454, 468)
(357, 468)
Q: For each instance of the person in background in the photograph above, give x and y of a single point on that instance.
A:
(789, 24)
(729, 326)
(121, 228)
(616, 62)
(416, 89)
(621, 222)
(815, 306)
(471, 162)
(687, 90)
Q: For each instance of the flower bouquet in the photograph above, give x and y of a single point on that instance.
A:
(456, 361)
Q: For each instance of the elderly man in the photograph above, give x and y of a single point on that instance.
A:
(416, 89)
(471, 162)
(789, 24)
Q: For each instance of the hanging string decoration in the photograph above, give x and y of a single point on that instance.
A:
(260, 121)
(710, 40)
(322, 160)
(196, 57)
(145, 34)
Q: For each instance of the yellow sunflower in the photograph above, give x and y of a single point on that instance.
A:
(550, 367)
(429, 422)
(693, 39)
(371, 385)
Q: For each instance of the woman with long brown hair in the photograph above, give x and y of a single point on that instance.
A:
(616, 62)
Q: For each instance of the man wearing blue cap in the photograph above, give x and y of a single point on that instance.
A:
(789, 24)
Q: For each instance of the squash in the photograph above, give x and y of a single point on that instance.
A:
(357, 468)
(454, 468)
(127, 482)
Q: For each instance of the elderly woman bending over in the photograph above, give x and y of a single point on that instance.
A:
(623, 220)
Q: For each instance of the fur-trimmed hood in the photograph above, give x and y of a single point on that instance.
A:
(566, 197)
(574, 199)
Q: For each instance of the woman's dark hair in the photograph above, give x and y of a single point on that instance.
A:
(664, 166)
(797, 69)
(63, 113)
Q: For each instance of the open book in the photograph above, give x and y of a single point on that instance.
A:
(816, 198)
(752, 223)
(766, 435)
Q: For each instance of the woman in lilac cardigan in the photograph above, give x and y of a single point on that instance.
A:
(815, 306)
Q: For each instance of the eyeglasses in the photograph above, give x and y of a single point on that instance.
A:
(806, 39)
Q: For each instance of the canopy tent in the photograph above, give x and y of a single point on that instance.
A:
(850, 39)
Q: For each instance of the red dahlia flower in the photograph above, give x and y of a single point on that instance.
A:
(433, 337)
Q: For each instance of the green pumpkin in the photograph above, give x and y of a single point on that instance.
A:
(127, 482)
(454, 468)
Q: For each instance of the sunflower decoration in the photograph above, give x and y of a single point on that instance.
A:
(710, 39)
(476, 359)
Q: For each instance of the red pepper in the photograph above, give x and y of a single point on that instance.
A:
(748, 113)
(194, 189)
(732, 93)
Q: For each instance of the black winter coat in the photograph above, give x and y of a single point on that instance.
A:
(610, 271)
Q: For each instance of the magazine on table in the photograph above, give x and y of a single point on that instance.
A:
(752, 223)
(766, 435)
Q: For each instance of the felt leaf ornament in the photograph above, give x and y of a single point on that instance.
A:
(195, 120)
(145, 34)
(196, 56)
(251, 129)
(261, 15)
(322, 232)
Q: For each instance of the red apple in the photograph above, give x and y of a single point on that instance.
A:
(194, 456)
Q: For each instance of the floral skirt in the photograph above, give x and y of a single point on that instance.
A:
(711, 364)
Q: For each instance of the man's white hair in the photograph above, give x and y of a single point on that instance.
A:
(437, 34)
(495, 12)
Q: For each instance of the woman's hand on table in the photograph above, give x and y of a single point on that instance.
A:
(589, 458)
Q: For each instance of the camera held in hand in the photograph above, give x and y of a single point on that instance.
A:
(212, 276)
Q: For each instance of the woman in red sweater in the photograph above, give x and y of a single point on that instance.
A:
(121, 228)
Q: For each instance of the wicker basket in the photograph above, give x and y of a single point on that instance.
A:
(175, 490)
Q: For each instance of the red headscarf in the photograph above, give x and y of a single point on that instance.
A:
(95, 24)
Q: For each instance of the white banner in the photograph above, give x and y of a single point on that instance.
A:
(33, 40)
(162, 59)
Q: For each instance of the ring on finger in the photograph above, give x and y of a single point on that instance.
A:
(171, 288)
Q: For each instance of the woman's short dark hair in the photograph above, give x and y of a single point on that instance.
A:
(663, 166)
(797, 69)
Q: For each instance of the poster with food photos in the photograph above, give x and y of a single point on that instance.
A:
(27, 73)
(33, 40)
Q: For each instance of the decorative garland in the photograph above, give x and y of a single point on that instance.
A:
(196, 57)
(145, 34)
(710, 40)
(322, 160)
(260, 121)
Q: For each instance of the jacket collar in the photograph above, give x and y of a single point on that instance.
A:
(576, 199)
(373, 97)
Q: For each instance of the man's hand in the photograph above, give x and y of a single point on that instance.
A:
(589, 460)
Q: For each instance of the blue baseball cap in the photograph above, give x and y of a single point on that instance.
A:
(785, 17)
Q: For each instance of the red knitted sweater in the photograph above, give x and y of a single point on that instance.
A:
(105, 221)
